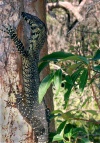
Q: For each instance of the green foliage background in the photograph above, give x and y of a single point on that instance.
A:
(76, 121)
(74, 61)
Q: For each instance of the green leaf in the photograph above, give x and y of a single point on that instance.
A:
(85, 140)
(67, 94)
(92, 112)
(68, 79)
(55, 56)
(42, 66)
(77, 131)
(57, 80)
(78, 58)
(61, 127)
(96, 56)
(88, 98)
(71, 68)
(69, 128)
(69, 135)
(83, 79)
(67, 115)
(56, 112)
(45, 84)
(76, 74)
(97, 68)
(57, 137)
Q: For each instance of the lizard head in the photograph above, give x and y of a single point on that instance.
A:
(38, 28)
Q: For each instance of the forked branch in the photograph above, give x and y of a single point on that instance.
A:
(69, 6)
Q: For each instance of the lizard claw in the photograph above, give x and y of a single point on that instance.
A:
(8, 29)
(9, 104)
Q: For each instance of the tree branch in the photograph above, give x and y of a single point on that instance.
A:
(67, 5)
(93, 91)
(79, 8)
(91, 121)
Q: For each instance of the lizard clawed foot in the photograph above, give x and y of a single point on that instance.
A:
(9, 104)
(9, 30)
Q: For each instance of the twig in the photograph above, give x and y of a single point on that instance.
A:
(93, 91)
(95, 122)
(88, 31)
(66, 5)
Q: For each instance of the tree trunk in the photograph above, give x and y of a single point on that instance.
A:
(40, 7)
(13, 127)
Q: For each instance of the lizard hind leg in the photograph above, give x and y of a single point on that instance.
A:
(28, 115)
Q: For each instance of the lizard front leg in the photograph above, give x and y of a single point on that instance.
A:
(19, 45)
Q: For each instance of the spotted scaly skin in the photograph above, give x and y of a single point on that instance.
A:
(34, 112)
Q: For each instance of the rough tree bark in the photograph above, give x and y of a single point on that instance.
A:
(12, 126)
(41, 12)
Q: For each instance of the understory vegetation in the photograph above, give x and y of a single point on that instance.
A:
(76, 99)
(74, 61)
